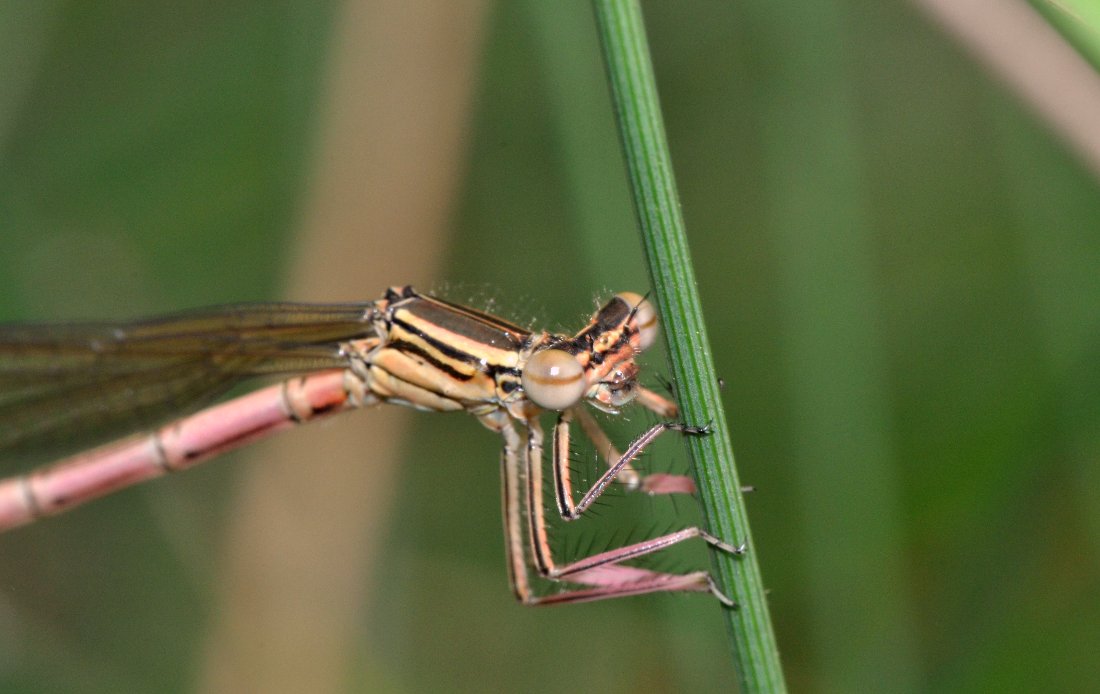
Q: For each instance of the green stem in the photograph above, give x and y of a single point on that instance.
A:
(634, 91)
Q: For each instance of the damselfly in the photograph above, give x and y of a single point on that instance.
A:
(406, 348)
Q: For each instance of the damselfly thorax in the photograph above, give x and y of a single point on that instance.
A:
(406, 348)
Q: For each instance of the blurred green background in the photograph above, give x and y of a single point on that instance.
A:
(898, 263)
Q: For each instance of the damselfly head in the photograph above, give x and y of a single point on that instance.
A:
(554, 379)
(615, 391)
(598, 364)
(643, 318)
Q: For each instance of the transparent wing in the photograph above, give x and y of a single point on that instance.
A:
(64, 386)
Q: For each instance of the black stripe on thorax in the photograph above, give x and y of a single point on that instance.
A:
(413, 348)
(435, 343)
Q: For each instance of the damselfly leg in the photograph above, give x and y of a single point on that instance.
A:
(604, 573)
(654, 482)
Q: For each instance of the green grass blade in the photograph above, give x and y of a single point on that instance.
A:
(1079, 23)
(641, 129)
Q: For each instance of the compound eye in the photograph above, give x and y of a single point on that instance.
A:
(645, 318)
(553, 379)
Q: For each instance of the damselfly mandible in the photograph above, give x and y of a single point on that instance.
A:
(406, 348)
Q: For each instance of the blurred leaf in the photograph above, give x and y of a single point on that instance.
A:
(1079, 22)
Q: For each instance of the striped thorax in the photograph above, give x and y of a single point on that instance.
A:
(434, 355)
